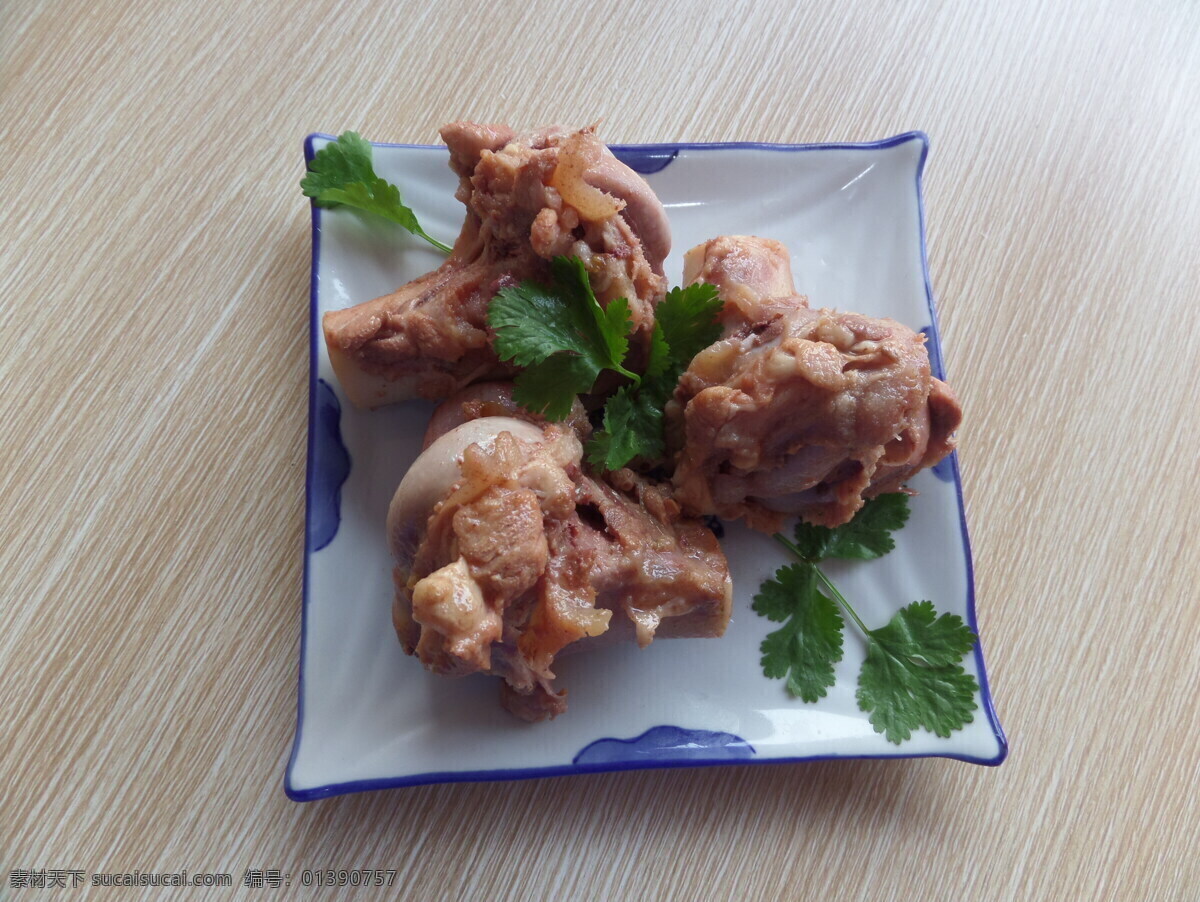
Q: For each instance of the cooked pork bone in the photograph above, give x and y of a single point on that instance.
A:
(512, 554)
(803, 411)
(529, 198)
(435, 472)
(752, 275)
(494, 399)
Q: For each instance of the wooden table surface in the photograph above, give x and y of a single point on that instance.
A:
(154, 286)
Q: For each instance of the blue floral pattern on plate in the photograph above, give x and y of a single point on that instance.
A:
(331, 466)
(646, 158)
(667, 743)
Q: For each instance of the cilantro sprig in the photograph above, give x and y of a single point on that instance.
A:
(912, 677)
(685, 323)
(564, 339)
(341, 174)
(561, 336)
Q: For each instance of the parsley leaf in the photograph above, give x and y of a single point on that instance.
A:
(561, 335)
(341, 174)
(911, 677)
(809, 643)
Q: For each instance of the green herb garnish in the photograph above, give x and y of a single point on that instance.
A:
(912, 676)
(341, 174)
(564, 339)
(685, 323)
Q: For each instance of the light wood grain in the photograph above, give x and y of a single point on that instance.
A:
(153, 285)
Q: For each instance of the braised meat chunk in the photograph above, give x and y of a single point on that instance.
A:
(529, 198)
(752, 275)
(507, 552)
(801, 411)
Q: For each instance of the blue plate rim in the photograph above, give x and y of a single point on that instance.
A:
(335, 789)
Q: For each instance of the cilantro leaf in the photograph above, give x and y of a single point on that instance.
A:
(658, 359)
(920, 632)
(868, 535)
(809, 542)
(911, 677)
(533, 321)
(550, 387)
(341, 174)
(374, 195)
(563, 338)
(339, 163)
(687, 318)
(633, 427)
(864, 538)
(808, 645)
(561, 335)
(685, 324)
(611, 323)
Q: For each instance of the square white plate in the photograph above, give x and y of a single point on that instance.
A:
(370, 717)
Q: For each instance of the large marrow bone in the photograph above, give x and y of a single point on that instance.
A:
(430, 338)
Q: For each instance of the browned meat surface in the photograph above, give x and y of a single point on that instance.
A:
(666, 573)
(529, 198)
(494, 399)
(522, 555)
(752, 275)
(804, 411)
